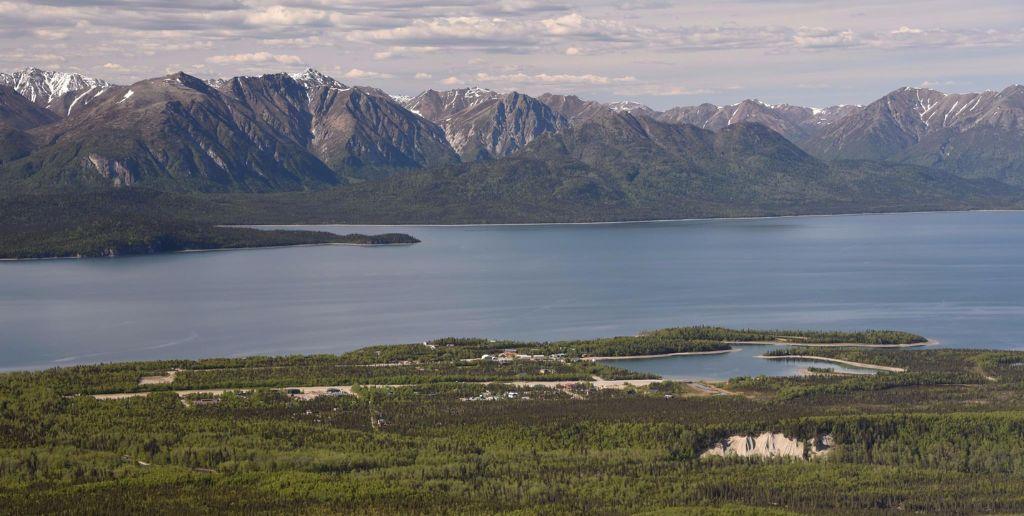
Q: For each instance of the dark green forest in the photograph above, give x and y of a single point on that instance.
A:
(89, 220)
(945, 436)
(122, 222)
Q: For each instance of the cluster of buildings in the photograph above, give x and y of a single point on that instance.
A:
(509, 355)
(488, 396)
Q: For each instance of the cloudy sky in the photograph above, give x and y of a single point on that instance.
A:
(662, 53)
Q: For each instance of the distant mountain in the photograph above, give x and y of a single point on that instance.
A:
(17, 116)
(305, 131)
(699, 115)
(972, 134)
(56, 91)
(618, 166)
(634, 108)
(484, 124)
(18, 112)
(347, 128)
(267, 133)
(794, 122)
(401, 99)
(661, 159)
(572, 107)
(881, 130)
(174, 131)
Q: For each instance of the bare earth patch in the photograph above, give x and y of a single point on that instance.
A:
(159, 380)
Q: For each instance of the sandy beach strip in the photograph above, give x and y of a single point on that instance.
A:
(835, 361)
(929, 342)
(681, 353)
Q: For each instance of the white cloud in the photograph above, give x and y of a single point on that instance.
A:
(501, 34)
(545, 78)
(723, 38)
(563, 25)
(907, 30)
(422, 75)
(400, 51)
(114, 67)
(937, 84)
(907, 37)
(674, 48)
(451, 81)
(657, 90)
(255, 57)
(459, 31)
(575, 24)
(52, 58)
(356, 73)
(50, 34)
(286, 16)
(821, 37)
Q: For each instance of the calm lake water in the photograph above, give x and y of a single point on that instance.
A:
(743, 361)
(954, 277)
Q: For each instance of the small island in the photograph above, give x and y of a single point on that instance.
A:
(121, 241)
(119, 223)
(382, 239)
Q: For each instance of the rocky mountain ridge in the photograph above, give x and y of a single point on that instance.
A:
(484, 124)
(973, 134)
(249, 133)
(309, 130)
(57, 91)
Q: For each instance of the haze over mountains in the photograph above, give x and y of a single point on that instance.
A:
(308, 131)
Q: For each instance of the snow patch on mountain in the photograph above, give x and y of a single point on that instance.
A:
(627, 106)
(45, 87)
(312, 78)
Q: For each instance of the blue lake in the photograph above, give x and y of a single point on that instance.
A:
(954, 277)
(744, 361)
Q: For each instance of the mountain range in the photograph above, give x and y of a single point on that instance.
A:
(484, 124)
(307, 131)
(970, 135)
(56, 91)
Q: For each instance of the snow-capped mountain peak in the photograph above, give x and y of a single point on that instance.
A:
(627, 106)
(476, 91)
(430, 104)
(311, 78)
(45, 87)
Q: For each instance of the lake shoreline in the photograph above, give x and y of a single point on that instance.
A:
(637, 221)
(662, 355)
(216, 249)
(813, 358)
(929, 342)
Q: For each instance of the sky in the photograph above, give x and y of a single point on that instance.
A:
(659, 52)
